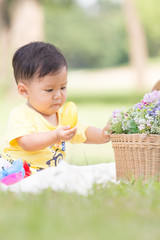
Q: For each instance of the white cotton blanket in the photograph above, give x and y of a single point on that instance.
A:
(66, 177)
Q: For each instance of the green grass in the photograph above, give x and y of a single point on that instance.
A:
(116, 212)
(109, 98)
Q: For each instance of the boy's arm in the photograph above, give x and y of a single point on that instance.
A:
(40, 140)
(96, 135)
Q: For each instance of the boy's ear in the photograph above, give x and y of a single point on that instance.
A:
(22, 89)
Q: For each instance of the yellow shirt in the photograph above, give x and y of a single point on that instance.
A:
(24, 120)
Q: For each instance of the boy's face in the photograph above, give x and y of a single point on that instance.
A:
(48, 94)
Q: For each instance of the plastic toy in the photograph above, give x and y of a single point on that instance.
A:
(69, 115)
(26, 169)
(13, 174)
(4, 163)
(12, 178)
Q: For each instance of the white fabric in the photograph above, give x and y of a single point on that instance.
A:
(66, 177)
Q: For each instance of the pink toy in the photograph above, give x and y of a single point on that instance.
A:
(12, 178)
(12, 174)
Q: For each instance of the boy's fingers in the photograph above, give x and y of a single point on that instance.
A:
(69, 128)
(106, 128)
(73, 129)
(66, 127)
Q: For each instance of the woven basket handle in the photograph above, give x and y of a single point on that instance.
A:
(156, 86)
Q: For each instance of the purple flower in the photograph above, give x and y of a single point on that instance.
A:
(151, 97)
(145, 114)
(116, 111)
(139, 105)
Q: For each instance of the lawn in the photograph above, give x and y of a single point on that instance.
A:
(116, 212)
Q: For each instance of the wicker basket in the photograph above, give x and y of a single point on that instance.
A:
(137, 156)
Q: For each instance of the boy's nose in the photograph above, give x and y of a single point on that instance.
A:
(57, 94)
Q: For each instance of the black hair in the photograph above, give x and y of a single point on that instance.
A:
(37, 58)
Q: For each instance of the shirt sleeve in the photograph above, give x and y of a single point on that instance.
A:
(80, 135)
(19, 124)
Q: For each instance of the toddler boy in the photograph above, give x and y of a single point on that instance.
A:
(34, 132)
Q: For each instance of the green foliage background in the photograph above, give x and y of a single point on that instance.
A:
(149, 12)
(94, 38)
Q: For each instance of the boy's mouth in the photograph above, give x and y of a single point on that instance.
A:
(56, 104)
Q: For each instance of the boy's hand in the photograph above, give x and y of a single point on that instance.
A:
(108, 126)
(40, 140)
(105, 134)
(65, 133)
(106, 130)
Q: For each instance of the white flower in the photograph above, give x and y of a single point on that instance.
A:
(148, 123)
(142, 121)
(141, 127)
(157, 112)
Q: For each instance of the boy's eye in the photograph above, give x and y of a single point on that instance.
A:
(49, 90)
(62, 88)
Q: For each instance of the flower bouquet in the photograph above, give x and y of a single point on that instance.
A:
(136, 139)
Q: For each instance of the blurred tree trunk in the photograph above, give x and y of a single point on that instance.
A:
(137, 41)
(27, 22)
(21, 22)
(4, 37)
